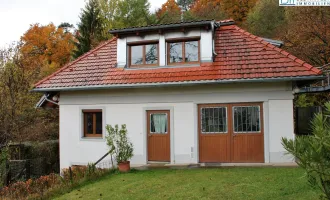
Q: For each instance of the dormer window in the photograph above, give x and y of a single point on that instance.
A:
(183, 52)
(143, 55)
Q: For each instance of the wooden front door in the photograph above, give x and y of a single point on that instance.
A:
(231, 133)
(158, 135)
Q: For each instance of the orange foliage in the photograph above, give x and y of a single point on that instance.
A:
(170, 7)
(238, 9)
(200, 5)
(46, 47)
(217, 9)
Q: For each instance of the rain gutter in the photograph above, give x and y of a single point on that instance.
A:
(168, 84)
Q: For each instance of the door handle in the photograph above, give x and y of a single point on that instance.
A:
(149, 135)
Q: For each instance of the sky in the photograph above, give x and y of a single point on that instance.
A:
(16, 16)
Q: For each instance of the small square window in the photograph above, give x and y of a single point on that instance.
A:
(93, 123)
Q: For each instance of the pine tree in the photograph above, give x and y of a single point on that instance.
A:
(90, 29)
(185, 4)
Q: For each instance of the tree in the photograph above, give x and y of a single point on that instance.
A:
(185, 4)
(266, 19)
(312, 152)
(125, 13)
(238, 9)
(307, 34)
(208, 9)
(46, 47)
(170, 12)
(19, 120)
(90, 29)
(67, 27)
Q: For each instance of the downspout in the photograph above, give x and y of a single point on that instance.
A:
(214, 25)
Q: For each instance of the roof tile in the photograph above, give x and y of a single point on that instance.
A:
(240, 55)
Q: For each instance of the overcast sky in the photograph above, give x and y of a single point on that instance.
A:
(17, 15)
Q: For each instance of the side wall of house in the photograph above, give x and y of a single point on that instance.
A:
(128, 106)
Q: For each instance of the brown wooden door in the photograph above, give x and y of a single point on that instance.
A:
(231, 132)
(158, 135)
(247, 133)
(214, 136)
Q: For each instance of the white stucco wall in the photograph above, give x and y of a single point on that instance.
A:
(128, 106)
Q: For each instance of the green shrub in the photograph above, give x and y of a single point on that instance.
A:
(118, 143)
(312, 152)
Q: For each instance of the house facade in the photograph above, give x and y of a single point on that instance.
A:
(191, 92)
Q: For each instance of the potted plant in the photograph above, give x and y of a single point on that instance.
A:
(120, 146)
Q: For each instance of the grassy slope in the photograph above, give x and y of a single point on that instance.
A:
(222, 183)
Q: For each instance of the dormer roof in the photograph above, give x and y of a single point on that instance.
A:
(207, 24)
(241, 57)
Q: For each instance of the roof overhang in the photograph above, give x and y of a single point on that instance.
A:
(46, 102)
(163, 27)
(169, 84)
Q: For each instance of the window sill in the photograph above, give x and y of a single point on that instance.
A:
(164, 67)
(93, 139)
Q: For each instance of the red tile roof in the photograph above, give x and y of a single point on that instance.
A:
(240, 56)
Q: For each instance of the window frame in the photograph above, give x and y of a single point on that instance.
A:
(84, 115)
(143, 44)
(259, 115)
(183, 41)
(226, 119)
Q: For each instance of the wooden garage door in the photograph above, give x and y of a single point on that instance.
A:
(231, 133)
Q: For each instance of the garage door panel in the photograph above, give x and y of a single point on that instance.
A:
(248, 148)
(215, 148)
(231, 132)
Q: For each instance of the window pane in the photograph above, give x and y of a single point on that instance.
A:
(136, 55)
(176, 52)
(191, 51)
(246, 119)
(214, 120)
(151, 54)
(99, 123)
(89, 123)
(158, 123)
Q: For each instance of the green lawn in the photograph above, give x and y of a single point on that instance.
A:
(219, 183)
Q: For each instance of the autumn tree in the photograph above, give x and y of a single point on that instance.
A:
(208, 9)
(170, 12)
(266, 19)
(19, 120)
(90, 29)
(238, 9)
(46, 47)
(307, 34)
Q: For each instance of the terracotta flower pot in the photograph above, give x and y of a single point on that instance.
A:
(124, 166)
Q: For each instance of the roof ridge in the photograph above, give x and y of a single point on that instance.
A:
(75, 61)
(283, 52)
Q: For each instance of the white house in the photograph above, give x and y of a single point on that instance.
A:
(191, 92)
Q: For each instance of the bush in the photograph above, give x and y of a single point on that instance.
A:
(46, 186)
(118, 143)
(312, 152)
